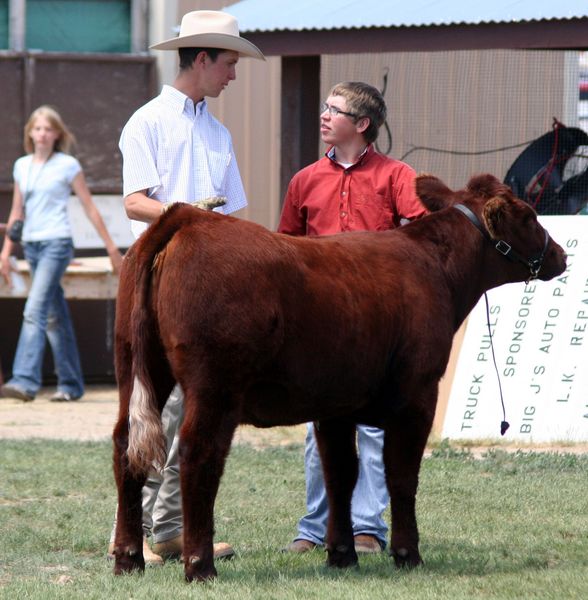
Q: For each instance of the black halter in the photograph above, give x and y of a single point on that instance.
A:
(533, 264)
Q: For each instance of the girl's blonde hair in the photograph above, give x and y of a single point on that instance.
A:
(66, 138)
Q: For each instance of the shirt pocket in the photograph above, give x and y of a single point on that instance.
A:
(218, 165)
(372, 212)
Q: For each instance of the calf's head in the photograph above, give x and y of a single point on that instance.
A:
(509, 224)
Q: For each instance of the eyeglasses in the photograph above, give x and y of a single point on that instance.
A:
(334, 111)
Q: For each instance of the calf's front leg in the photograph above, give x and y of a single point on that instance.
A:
(404, 444)
(336, 443)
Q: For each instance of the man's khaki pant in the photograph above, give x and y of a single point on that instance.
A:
(162, 500)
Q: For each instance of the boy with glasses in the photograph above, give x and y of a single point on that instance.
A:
(352, 188)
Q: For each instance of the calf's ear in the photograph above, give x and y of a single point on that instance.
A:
(487, 186)
(495, 215)
(433, 193)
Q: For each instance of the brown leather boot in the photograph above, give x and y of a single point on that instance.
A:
(367, 544)
(299, 546)
(172, 549)
(151, 559)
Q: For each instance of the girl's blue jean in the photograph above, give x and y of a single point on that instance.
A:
(46, 316)
(370, 496)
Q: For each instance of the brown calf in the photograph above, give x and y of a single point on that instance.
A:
(267, 329)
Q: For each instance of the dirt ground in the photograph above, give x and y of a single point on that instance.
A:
(93, 417)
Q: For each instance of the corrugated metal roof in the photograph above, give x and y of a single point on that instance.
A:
(297, 15)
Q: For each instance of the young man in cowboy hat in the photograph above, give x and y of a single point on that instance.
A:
(174, 150)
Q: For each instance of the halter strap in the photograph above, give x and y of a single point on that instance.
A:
(533, 264)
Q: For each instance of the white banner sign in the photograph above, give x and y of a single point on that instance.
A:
(540, 336)
(112, 211)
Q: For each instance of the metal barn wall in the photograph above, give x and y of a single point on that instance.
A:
(444, 107)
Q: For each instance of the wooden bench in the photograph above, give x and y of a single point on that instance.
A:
(85, 279)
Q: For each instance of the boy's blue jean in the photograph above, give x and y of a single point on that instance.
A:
(370, 496)
(46, 315)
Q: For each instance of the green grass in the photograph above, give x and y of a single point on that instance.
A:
(505, 526)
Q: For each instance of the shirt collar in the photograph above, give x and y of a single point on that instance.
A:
(363, 157)
(180, 102)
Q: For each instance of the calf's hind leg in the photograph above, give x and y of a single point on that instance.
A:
(128, 543)
(205, 440)
(128, 546)
(336, 443)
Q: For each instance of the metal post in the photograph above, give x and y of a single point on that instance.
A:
(17, 12)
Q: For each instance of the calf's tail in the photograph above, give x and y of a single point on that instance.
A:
(147, 446)
(147, 443)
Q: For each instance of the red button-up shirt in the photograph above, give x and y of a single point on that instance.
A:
(373, 194)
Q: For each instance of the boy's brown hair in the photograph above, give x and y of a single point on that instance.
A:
(363, 100)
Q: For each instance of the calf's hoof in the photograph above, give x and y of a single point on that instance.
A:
(196, 569)
(341, 556)
(406, 559)
(127, 561)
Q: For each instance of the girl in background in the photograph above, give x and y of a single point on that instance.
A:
(43, 181)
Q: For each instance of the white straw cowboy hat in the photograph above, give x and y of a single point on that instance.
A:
(210, 29)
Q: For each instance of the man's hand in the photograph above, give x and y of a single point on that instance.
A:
(210, 203)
